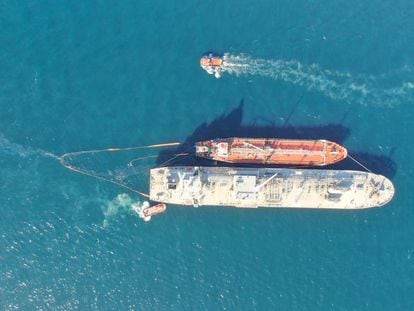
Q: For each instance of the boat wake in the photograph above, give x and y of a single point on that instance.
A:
(9, 148)
(139, 208)
(363, 89)
(123, 205)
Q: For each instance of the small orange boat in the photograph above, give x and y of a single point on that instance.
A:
(154, 210)
(271, 151)
(212, 64)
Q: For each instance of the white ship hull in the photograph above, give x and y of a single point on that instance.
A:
(269, 187)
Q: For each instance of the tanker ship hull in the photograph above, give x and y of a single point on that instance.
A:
(269, 187)
(271, 151)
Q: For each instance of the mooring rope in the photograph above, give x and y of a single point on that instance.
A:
(357, 162)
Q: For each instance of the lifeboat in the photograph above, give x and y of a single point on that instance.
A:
(212, 64)
(271, 151)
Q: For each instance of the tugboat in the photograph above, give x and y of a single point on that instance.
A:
(213, 64)
(146, 211)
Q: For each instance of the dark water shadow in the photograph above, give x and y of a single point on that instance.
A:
(378, 164)
(229, 125)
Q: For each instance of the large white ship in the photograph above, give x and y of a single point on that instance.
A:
(269, 187)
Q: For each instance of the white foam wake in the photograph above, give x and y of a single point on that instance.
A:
(363, 89)
(9, 148)
(122, 205)
(139, 209)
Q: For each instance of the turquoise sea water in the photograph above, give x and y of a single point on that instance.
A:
(78, 75)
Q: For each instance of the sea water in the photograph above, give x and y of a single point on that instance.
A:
(80, 75)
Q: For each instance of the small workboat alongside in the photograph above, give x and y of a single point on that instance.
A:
(146, 211)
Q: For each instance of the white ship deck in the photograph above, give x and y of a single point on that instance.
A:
(269, 187)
